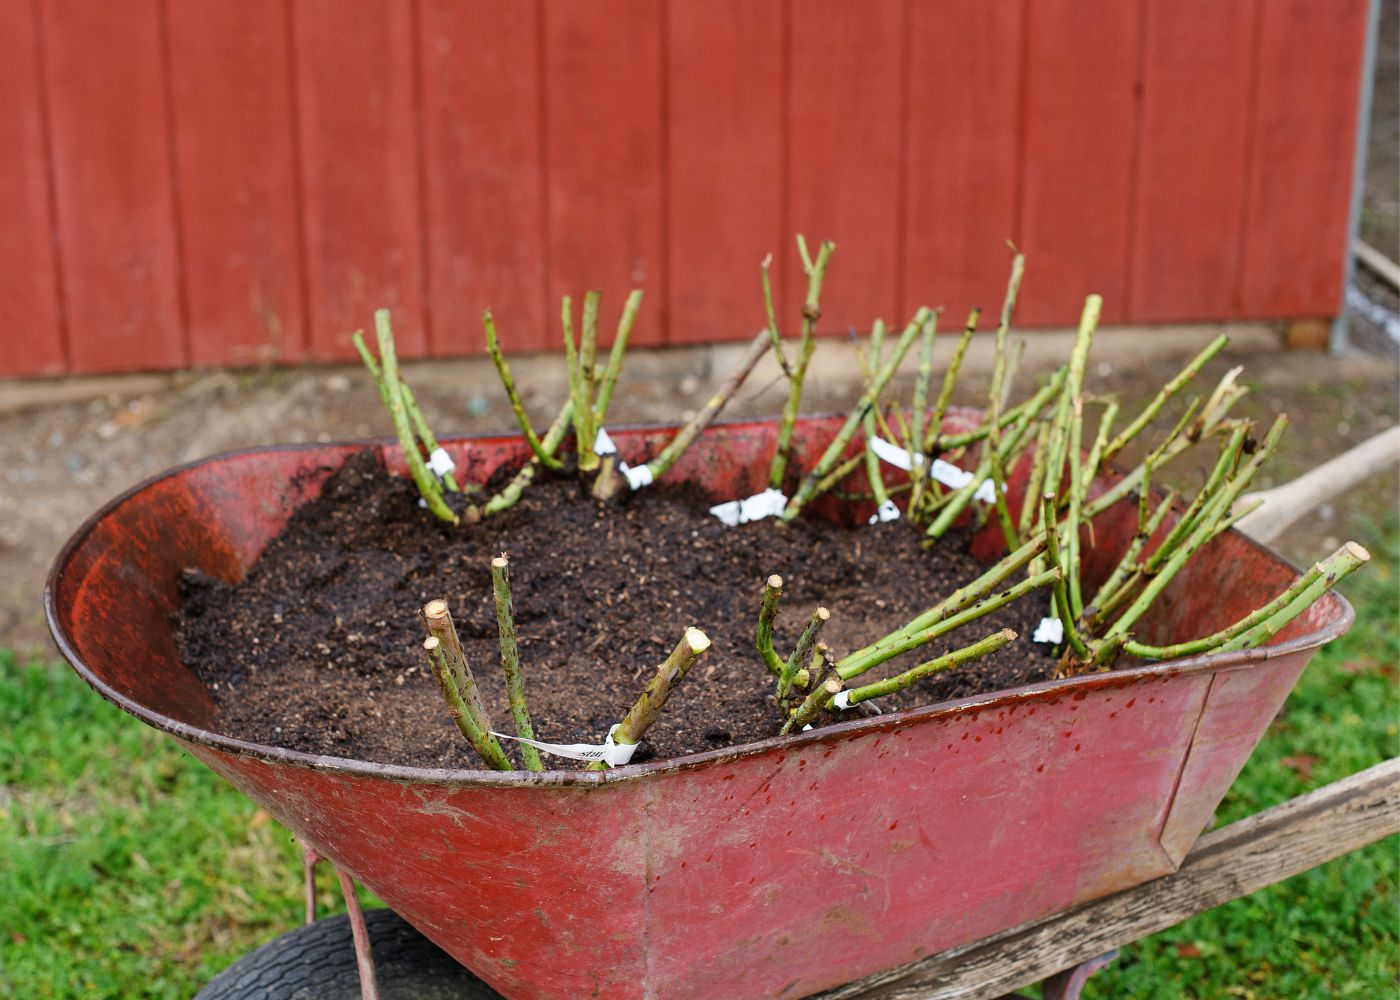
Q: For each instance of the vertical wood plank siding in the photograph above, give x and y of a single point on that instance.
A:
(483, 171)
(357, 121)
(605, 156)
(844, 137)
(724, 148)
(1309, 59)
(109, 131)
(232, 182)
(1193, 157)
(1079, 158)
(965, 88)
(31, 322)
(235, 171)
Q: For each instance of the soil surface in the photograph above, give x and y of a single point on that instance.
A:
(319, 648)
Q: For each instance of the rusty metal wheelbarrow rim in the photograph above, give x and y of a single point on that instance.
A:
(1217, 662)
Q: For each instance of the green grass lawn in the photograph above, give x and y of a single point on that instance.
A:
(128, 870)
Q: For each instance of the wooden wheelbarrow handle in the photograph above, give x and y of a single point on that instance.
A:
(1285, 504)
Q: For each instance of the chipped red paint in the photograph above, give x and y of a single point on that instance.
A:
(779, 868)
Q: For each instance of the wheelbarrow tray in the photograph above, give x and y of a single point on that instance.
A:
(777, 868)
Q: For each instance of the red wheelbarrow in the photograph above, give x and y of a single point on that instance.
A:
(778, 868)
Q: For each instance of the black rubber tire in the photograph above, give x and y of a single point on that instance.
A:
(317, 962)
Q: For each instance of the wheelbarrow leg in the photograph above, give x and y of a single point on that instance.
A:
(1066, 985)
(363, 959)
(309, 857)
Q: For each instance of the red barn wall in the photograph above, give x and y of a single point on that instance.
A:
(210, 182)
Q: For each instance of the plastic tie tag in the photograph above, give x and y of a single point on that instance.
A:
(440, 462)
(769, 503)
(603, 444)
(842, 700)
(887, 511)
(946, 473)
(891, 454)
(610, 753)
(637, 476)
(1050, 630)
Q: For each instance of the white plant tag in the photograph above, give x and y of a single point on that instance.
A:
(637, 475)
(1050, 630)
(946, 473)
(951, 476)
(891, 454)
(843, 702)
(440, 462)
(612, 754)
(887, 511)
(769, 503)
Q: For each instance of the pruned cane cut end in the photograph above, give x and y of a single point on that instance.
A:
(697, 641)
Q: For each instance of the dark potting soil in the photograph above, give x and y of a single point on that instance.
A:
(319, 648)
